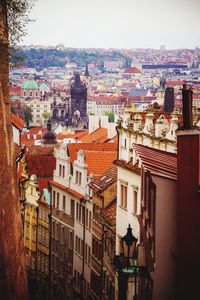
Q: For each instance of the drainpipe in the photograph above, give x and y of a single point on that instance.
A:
(102, 247)
(36, 243)
(50, 230)
(82, 200)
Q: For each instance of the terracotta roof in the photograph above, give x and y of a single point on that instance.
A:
(74, 148)
(43, 182)
(99, 161)
(27, 142)
(132, 70)
(127, 165)
(15, 90)
(100, 135)
(158, 162)
(105, 180)
(36, 130)
(68, 190)
(40, 165)
(171, 83)
(17, 121)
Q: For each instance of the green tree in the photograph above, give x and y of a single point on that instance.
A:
(111, 116)
(46, 115)
(28, 115)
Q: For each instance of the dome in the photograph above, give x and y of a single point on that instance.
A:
(44, 87)
(49, 137)
(30, 85)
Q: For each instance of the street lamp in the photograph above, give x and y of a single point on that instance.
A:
(129, 245)
(125, 265)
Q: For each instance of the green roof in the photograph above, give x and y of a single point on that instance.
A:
(30, 85)
(15, 97)
(44, 87)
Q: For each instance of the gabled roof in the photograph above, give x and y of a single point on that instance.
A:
(17, 121)
(99, 161)
(158, 162)
(42, 166)
(100, 135)
(74, 148)
(105, 180)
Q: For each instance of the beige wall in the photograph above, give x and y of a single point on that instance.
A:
(165, 243)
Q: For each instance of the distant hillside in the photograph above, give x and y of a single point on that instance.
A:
(44, 58)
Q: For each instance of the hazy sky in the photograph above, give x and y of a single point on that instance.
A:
(115, 23)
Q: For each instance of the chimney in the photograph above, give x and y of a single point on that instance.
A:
(188, 204)
(187, 106)
(169, 99)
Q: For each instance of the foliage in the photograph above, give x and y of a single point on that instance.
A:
(43, 58)
(17, 15)
(111, 116)
(28, 116)
(46, 115)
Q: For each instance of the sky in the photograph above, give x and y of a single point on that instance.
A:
(115, 23)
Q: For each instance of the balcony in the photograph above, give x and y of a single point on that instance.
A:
(65, 218)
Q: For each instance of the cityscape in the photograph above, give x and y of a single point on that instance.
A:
(104, 199)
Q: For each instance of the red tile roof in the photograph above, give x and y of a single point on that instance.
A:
(132, 70)
(100, 135)
(15, 90)
(99, 161)
(74, 148)
(68, 190)
(42, 166)
(17, 121)
(158, 162)
(127, 165)
(105, 180)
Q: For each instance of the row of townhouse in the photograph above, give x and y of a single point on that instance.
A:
(75, 241)
(93, 203)
(157, 194)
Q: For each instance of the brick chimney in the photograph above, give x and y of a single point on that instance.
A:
(188, 208)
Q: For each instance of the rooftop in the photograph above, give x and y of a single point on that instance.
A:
(158, 162)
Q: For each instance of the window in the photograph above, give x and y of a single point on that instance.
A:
(63, 171)
(54, 199)
(77, 210)
(71, 240)
(63, 205)
(72, 208)
(53, 229)
(79, 179)
(60, 169)
(135, 195)
(123, 196)
(58, 196)
(76, 180)
(125, 143)
(90, 216)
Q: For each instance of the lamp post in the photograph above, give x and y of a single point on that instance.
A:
(126, 267)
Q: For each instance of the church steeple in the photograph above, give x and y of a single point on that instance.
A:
(86, 70)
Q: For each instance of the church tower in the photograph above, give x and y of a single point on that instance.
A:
(78, 103)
